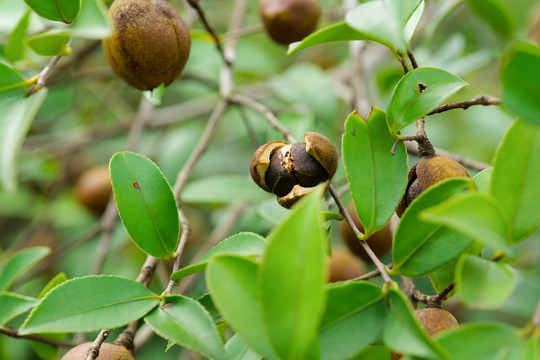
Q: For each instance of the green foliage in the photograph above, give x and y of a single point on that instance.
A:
(496, 14)
(56, 10)
(374, 196)
(145, 203)
(90, 303)
(12, 305)
(19, 263)
(49, 43)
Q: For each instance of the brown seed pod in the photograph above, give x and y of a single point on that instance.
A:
(287, 21)
(150, 43)
(380, 242)
(428, 171)
(292, 171)
(106, 352)
(343, 265)
(93, 188)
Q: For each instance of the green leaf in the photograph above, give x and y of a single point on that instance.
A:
(19, 263)
(54, 282)
(421, 247)
(93, 22)
(237, 349)
(487, 339)
(495, 13)
(335, 32)
(247, 244)
(16, 117)
(353, 318)
(186, 322)
(90, 303)
(56, 10)
(515, 182)
(521, 89)
(484, 284)
(222, 189)
(477, 216)
(482, 180)
(410, 101)
(402, 332)
(13, 305)
(9, 79)
(146, 204)
(369, 165)
(373, 352)
(49, 43)
(232, 281)
(292, 277)
(443, 276)
(14, 50)
(47, 351)
(384, 21)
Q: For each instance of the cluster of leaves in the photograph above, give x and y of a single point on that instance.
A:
(271, 290)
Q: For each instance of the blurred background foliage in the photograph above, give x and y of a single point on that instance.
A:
(86, 116)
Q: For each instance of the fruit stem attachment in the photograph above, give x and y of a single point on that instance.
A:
(93, 351)
(347, 216)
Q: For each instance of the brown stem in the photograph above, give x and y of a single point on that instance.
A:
(195, 5)
(367, 249)
(413, 59)
(186, 230)
(403, 62)
(15, 334)
(484, 100)
(370, 275)
(93, 350)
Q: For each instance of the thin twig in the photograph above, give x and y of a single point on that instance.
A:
(413, 59)
(536, 316)
(372, 256)
(370, 275)
(272, 119)
(247, 124)
(186, 230)
(484, 100)
(15, 334)
(202, 16)
(403, 62)
(93, 351)
(46, 72)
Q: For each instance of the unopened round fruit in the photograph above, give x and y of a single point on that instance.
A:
(106, 352)
(428, 171)
(150, 42)
(380, 242)
(435, 320)
(287, 21)
(93, 188)
(343, 265)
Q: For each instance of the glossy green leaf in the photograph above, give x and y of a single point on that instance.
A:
(335, 32)
(421, 247)
(496, 14)
(208, 304)
(473, 341)
(232, 281)
(373, 352)
(443, 276)
(16, 117)
(410, 101)
(56, 10)
(47, 351)
(93, 22)
(90, 303)
(522, 88)
(222, 189)
(237, 349)
(13, 305)
(54, 282)
(19, 263)
(9, 79)
(369, 164)
(49, 43)
(186, 322)
(14, 50)
(292, 277)
(515, 183)
(353, 318)
(146, 204)
(247, 244)
(402, 332)
(384, 21)
(484, 284)
(477, 216)
(482, 180)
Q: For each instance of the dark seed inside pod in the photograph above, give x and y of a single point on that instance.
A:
(278, 179)
(307, 169)
(414, 190)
